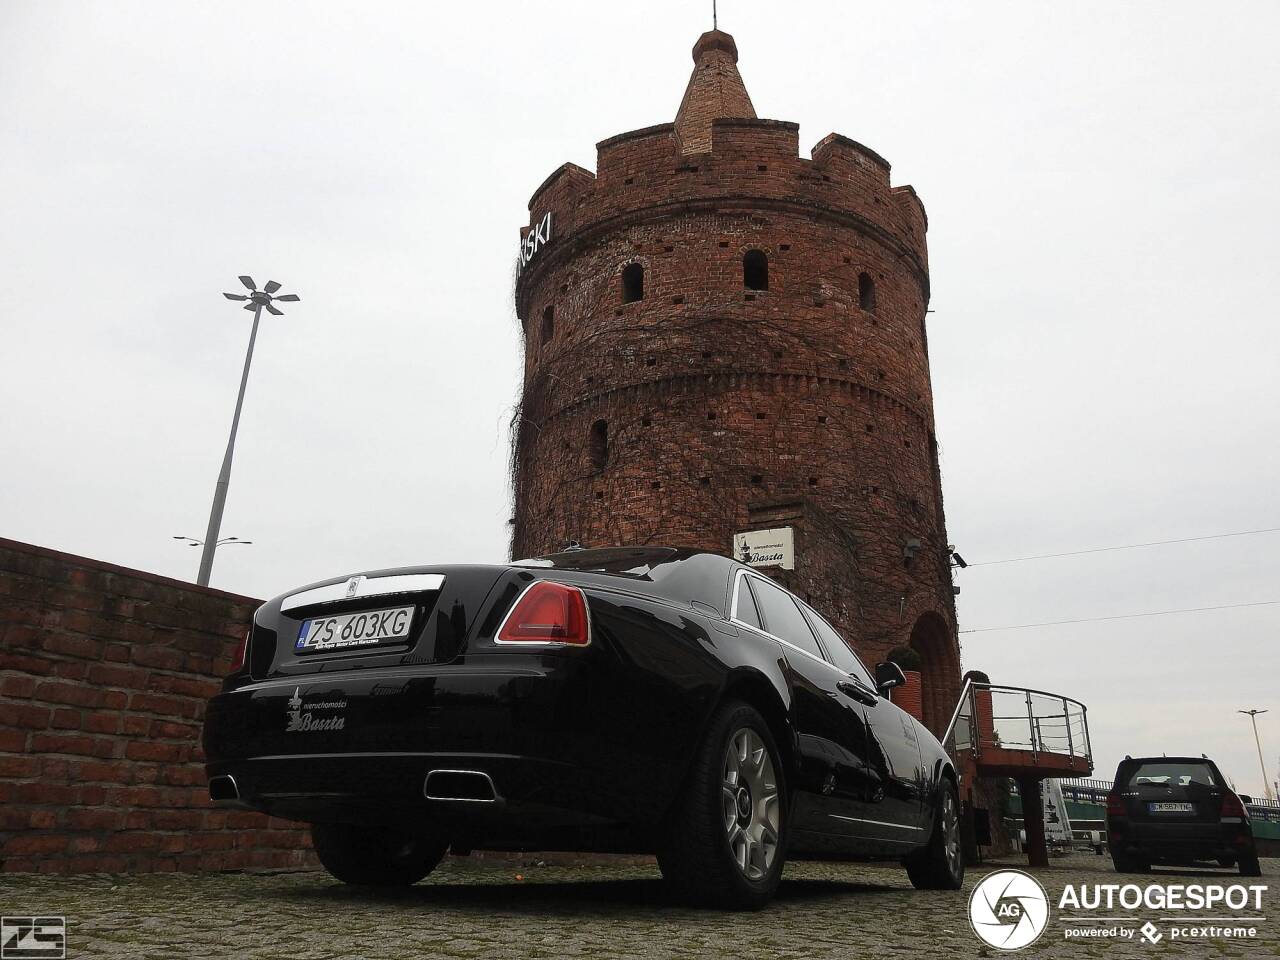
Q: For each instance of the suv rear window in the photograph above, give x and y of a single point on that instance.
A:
(1158, 773)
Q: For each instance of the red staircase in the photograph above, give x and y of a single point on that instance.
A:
(1028, 735)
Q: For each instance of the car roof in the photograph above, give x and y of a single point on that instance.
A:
(1132, 760)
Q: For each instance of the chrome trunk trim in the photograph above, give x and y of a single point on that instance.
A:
(359, 587)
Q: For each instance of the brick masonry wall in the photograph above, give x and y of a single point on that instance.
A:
(104, 675)
(720, 400)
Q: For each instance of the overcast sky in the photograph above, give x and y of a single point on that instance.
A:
(1103, 205)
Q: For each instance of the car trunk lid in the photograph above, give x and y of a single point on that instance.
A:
(371, 620)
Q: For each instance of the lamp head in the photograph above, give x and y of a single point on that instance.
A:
(263, 299)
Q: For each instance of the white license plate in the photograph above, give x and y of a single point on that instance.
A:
(1171, 807)
(345, 631)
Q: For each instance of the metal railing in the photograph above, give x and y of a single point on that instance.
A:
(1088, 790)
(1087, 784)
(1018, 718)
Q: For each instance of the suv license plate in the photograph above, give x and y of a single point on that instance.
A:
(1171, 807)
(346, 631)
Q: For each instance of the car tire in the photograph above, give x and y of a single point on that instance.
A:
(375, 856)
(1249, 865)
(726, 838)
(1124, 863)
(940, 864)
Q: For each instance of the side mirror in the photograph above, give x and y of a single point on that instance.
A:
(1246, 799)
(888, 676)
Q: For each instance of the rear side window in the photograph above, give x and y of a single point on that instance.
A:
(1163, 773)
(745, 606)
(783, 618)
(837, 650)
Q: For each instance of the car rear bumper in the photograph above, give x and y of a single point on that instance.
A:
(1183, 842)
(528, 796)
(560, 752)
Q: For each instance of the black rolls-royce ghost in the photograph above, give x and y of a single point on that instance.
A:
(652, 700)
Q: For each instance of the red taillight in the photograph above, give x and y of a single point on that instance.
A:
(242, 649)
(1231, 806)
(1115, 806)
(548, 612)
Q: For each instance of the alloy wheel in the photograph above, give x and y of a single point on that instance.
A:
(750, 803)
(950, 830)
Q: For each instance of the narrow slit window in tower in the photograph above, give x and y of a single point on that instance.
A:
(866, 292)
(598, 444)
(632, 283)
(755, 270)
(548, 324)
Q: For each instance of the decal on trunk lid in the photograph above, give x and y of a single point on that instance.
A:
(300, 722)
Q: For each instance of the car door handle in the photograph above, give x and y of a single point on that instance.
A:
(855, 691)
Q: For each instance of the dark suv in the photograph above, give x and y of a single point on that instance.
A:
(1177, 810)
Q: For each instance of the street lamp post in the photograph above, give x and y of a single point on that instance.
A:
(257, 301)
(224, 542)
(1253, 716)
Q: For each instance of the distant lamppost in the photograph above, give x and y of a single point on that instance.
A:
(257, 300)
(1253, 716)
(224, 542)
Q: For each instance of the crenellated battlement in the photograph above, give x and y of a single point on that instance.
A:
(568, 179)
(835, 151)
(613, 152)
(751, 163)
(744, 138)
(718, 155)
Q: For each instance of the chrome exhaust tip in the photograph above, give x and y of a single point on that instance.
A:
(461, 786)
(224, 792)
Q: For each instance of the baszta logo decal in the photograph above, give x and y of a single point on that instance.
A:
(300, 722)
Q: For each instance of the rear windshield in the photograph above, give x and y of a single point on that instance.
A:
(1172, 774)
(625, 561)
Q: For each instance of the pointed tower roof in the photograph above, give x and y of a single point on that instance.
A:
(715, 90)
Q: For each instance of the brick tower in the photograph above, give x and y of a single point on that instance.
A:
(722, 336)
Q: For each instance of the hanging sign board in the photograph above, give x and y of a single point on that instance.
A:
(766, 548)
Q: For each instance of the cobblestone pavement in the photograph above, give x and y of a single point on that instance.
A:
(488, 908)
